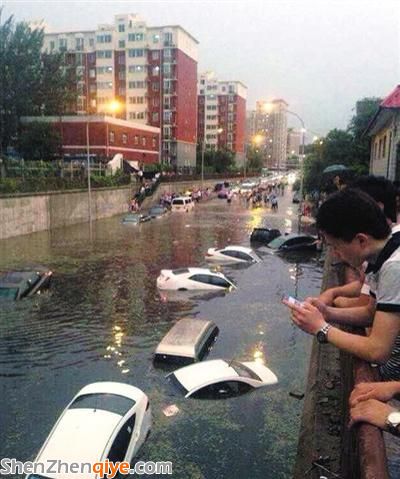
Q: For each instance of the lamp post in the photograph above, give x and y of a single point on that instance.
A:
(303, 131)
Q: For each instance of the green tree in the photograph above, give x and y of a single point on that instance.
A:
(20, 71)
(39, 141)
(31, 83)
(365, 110)
(254, 159)
(215, 161)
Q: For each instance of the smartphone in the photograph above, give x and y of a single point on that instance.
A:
(292, 300)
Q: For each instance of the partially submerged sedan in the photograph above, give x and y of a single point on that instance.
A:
(232, 254)
(264, 235)
(22, 284)
(135, 218)
(104, 421)
(185, 279)
(218, 378)
(157, 211)
(294, 242)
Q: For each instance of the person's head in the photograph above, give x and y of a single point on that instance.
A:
(382, 191)
(353, 225)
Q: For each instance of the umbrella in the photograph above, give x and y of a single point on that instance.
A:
(335, 169)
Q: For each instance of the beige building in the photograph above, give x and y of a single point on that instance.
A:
(384, 130)
(269, 121)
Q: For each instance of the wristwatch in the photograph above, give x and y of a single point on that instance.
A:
(322, 335)
(393, 423)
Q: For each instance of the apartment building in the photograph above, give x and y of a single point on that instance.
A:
(269, 122)
(222, 115)
(150, 71)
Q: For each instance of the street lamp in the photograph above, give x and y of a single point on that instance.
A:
(203, 147)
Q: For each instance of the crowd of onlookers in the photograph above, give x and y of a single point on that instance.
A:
(359, 224)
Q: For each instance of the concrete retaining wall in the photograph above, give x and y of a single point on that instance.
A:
(24, 214)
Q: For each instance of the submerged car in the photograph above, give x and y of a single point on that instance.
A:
(157, 211)
(21, 284)
(232, 254)
(136, 218)
(182, 203)
(188, 341)
(264, 235)
(184, 279)
(294, 242)
(218, 378)
(104, 421)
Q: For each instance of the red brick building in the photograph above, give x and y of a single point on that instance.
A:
(222, 115)
(151, 71)
(107, 136)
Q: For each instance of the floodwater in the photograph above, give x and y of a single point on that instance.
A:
(104, 317)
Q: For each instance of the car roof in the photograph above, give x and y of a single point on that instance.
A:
(108, 387)
(195, 375)
(182, 198)
(191, 271)
(81, 435)
(184, 336)
(17, 279)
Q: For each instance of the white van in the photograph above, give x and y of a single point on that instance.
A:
(182, 203)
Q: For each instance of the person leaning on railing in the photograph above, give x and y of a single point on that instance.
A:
(356, 229)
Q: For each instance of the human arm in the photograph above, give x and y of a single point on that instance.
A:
(343, 302)
(349, 290)
(361, 316)
(375, 348)
(371, 411)
(382, 391)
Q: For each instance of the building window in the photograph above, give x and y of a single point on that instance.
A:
(155, 116)
(167, 53)
(121, 44)
(144, 141)
(52, 45)
(155, 86)
(112, 136)
(140, 115)
(135, 52)
(124, 138)
(91, 42)
(103, 70)
(136, 84)
(121, 75)
(136, 140)
(155, 101)
(136, 68)
(92, 73)
(121, 91)
(62, 43)
(121, 27)
(384, 147)
(156, 38)
(155, 71)
(155, 55)
(154, 142)
(231, 98)
(103, 38)
(132, 115)
(104, 54)
(79, 43)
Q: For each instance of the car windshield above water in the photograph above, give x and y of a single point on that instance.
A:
(105, 402)
(243, 371)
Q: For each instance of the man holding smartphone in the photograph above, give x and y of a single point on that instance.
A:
(356, 229)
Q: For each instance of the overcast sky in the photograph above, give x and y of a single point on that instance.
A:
(321, 56)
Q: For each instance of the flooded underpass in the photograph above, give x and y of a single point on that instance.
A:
(104, 316)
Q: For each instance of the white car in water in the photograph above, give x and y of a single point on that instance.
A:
(232, 254)
(105, 420)
(185, 279)
(218, 378)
